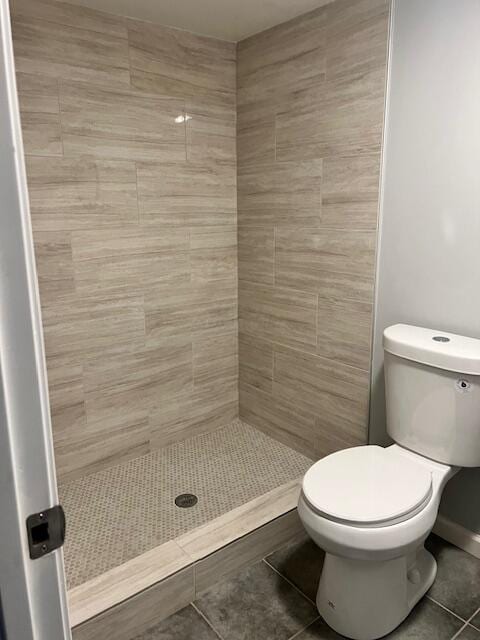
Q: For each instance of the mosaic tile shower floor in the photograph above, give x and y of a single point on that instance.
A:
(121, 512)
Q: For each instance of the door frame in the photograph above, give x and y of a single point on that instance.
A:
(32, 592)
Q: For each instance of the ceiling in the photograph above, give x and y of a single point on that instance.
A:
(225, 19)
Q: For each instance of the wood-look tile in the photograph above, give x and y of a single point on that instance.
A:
(123, 124)
(256, 133)
(67, 53)
(100, 444)
(178, 63)
(255, 362)
(53, 255)
(335, 263)
(283, 59)
(67, 194)
(252, 547)
(83, 326)
(285, 420)
(242, 520)
(139, 379)
(70, 15)
(256, 247)
(125, 581)
(283, 193)
(357, 36)
(67, 397)
(128, 259)
(137, 614)
(320, 385)
(215, 359)
(340, 117)
(39, 112)
(184, 415)
(187, 194)
(213, 253)
(208, 308)
(344, 331)
(350, 191)
(210, 130)
(281, 315)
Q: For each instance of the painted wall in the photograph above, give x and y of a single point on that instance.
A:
(310, 97)
(429, 266)
(129, 132)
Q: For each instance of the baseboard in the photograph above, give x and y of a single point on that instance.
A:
(458, 535)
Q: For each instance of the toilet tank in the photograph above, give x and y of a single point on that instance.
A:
(432, 387)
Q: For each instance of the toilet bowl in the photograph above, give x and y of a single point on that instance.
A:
(371, 508)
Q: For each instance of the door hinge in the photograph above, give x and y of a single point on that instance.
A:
(46, 531)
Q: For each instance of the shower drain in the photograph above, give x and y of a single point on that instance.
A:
(185, 500)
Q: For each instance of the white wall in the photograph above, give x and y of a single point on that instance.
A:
(429, 259)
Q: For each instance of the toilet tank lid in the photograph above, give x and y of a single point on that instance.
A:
(434, 348)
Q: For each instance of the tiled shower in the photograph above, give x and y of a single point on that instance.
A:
(205, 223)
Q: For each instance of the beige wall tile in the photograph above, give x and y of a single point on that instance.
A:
(70, 15)
(356, 37)
(184, 415)
(208, 308)
(285, 420)
(67, 397)
(186, 194)
(304, 257)
(319, 384)
(67, 53)
(255, 362)
(256, 246)
(125, 124)
(282, 59)
(343, 116)
(344, 331)
(282, 193)
(84, 326)
(213, 253)
(53, 254)
(141, 612)
(256, 132)
(120, 260)
(210, 130)
(215, 359)
(178, 63)
(67, 194)
(280, 315)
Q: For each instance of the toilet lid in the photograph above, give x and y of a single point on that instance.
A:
(367, 486)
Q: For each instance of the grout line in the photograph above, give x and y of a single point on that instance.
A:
(289, 581)
(206, 620)
(465, 626)
(445, 608)
(295, 635)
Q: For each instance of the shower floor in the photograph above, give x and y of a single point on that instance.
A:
(119, 513)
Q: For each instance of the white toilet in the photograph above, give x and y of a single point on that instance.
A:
(371, 508)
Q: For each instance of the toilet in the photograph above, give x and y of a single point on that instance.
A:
(371, 508)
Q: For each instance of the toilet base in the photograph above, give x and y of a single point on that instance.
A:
(365, 600)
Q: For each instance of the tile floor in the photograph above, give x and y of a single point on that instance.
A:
(121, 512)
(273, 600)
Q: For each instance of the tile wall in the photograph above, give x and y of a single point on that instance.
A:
(310, 102)
(130, 140)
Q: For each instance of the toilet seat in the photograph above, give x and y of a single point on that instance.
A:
(367, 486)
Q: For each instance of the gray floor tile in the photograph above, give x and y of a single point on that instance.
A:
(301, 562)
(457, 585)
(427, 621)
(468, 633)
(183, 625)
(476, 620)
(256, 605)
